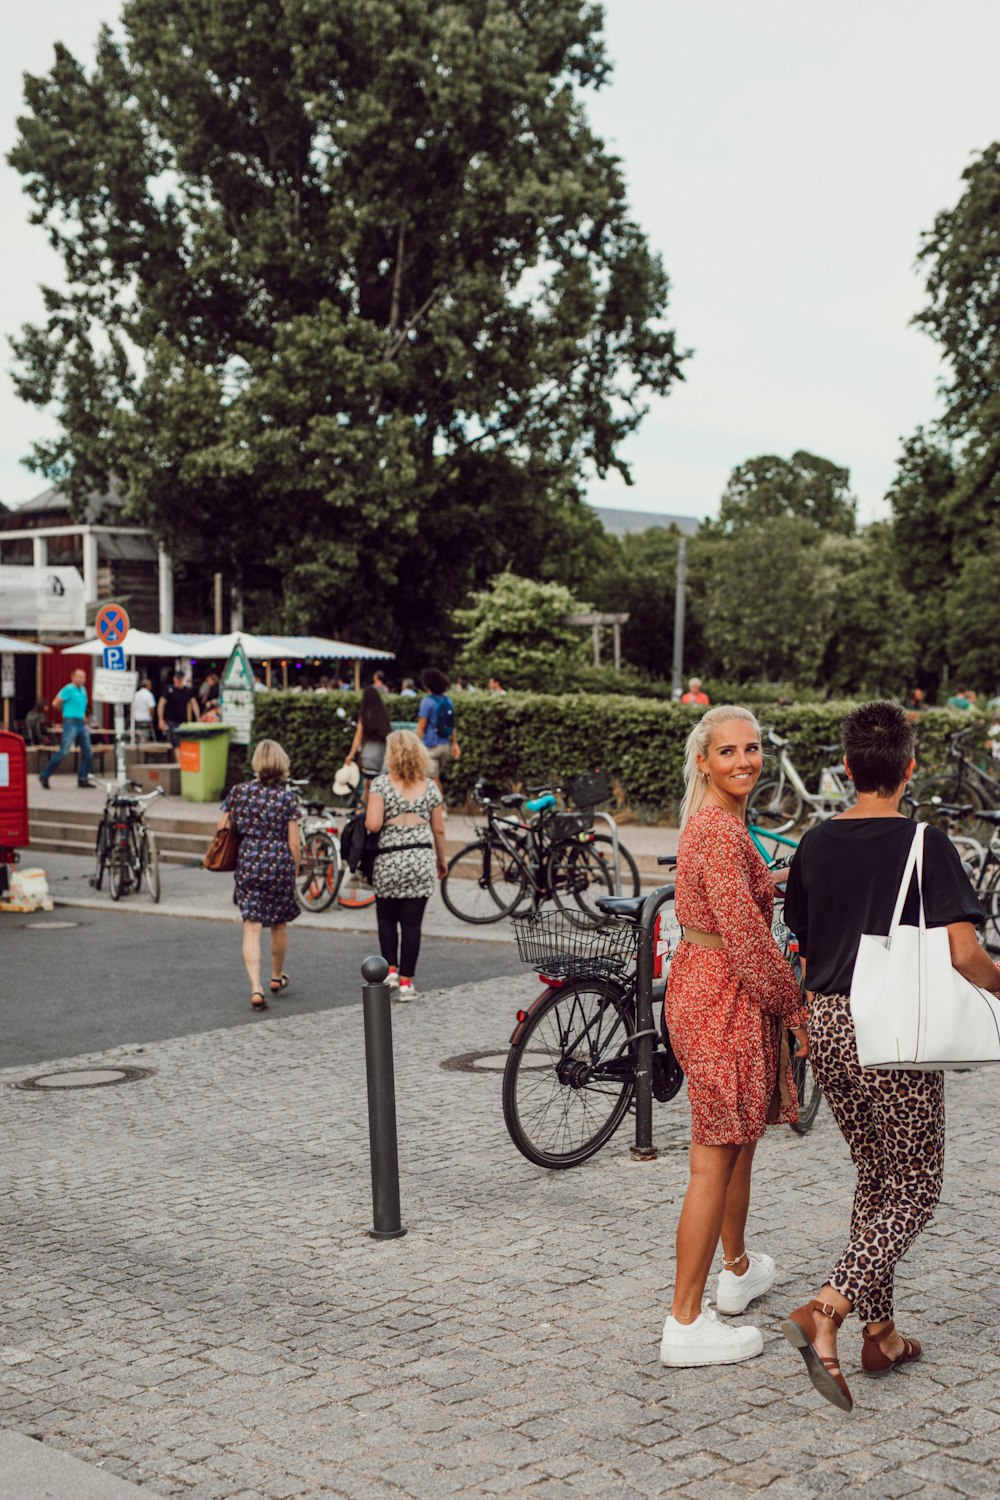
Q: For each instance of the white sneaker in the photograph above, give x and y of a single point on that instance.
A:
(706, 1341)
(392, 979)
(735, 1293)
(406, 990)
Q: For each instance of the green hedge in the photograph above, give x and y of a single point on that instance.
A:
(523, 739)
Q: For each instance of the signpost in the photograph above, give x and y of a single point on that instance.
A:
(112, 684)
(236, 696)
(6, 684)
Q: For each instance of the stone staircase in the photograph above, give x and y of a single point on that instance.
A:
(179, 840)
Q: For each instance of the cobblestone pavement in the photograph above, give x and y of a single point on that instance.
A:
(191, 1298)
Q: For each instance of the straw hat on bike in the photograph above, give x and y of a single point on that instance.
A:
(346, 780)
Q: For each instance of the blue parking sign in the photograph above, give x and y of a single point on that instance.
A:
(114, 658)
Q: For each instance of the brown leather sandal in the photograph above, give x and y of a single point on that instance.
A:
(875, 1361)
(799, 1329)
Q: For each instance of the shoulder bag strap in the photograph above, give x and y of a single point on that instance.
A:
(914, 861)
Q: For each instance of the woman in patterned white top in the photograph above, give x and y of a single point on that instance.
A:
(405, 807)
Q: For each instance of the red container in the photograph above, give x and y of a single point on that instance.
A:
(13, 792)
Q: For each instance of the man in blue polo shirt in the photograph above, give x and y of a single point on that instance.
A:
(72, 699)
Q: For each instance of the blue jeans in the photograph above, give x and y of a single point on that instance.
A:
(74, 732)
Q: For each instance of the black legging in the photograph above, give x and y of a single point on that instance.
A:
(400, 915)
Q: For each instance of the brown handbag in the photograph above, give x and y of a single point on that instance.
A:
(222, 852)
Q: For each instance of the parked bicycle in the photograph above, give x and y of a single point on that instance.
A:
(780, 800)
(963, 782)
(535, 851)
(570, 1075)
(126, 849)
(982, 860)
(323, 874)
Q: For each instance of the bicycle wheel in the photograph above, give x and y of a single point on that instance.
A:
(577, 874)
(149, 857)
(118, 869)
(629, 869)
(353, 891)
(135, 864)
(483, 883)
(805, 1079)
(570, 1076)
(101, 849)
(318, 879)
(944, 785)
(775, 805)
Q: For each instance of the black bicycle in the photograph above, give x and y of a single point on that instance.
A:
(126, 849)
(570, 1075)
(963, 783)
(533, 851)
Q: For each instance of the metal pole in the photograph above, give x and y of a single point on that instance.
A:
(381, 1100)
(646, 1032)
(218, 603)
(121, 772)
(679, 617)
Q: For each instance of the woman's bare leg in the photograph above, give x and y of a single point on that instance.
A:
(251, 954)
(279, 947)
(734, 1218)
(700, 1224)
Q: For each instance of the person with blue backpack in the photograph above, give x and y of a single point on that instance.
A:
(436, 723)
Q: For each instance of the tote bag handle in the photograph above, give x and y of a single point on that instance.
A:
(914, 861)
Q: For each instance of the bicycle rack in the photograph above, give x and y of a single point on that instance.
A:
(607, 818)
(644, 1150)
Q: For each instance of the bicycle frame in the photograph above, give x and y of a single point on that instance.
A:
(824, 803)
(758, 834)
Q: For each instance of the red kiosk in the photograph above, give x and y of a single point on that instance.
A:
(13, 804)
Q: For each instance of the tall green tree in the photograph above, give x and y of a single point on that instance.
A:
(352, 285)
(516, 629)
(925, 512)
(962, 256)
(804, 486)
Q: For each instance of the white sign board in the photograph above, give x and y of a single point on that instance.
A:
(114, 687)
(236, 697)
(41, 599)
(6, 674)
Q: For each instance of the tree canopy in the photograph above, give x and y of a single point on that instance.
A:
(804, 486)
(355, 295)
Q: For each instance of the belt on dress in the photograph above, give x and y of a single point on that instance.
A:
(703, 939)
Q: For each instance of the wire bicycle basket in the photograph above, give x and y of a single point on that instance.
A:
(556, 947)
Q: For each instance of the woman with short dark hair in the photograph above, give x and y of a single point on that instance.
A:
(843, 882)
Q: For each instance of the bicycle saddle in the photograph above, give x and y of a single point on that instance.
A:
(629, 907)
(510, 799)
(315, 807)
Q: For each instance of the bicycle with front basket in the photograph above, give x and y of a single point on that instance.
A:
(553, 853)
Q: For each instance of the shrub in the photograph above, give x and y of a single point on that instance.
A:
(525, 739)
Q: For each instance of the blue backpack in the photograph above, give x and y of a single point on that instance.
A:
(444, 716)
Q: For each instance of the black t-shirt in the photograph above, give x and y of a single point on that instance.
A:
(175, 704)
(844, 881)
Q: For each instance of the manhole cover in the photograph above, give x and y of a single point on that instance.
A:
(46, 926)
(491, 1062)
(83, 1078)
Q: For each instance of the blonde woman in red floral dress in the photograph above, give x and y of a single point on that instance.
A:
(730, 998)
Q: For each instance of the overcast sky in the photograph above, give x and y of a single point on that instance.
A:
(783, 157)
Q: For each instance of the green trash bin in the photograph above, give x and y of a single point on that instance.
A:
(203, 751)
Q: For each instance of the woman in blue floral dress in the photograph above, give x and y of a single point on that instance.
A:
(265, 815)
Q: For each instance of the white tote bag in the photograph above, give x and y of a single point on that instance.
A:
(911, 1009)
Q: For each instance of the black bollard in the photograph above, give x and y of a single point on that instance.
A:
(381, 1100)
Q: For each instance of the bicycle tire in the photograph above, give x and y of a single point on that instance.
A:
(560, 1111)
(353, 891)
(117, 871)
(315, 885)
(483, 884)
(135, 865)
(100, 854)
(150, 857)
(806, 1087)
(578, 875)
(945, 784)
(775, 805)
(631, 884)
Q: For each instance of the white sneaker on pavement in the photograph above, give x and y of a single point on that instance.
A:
(406, 990)
(392, 979)
(735, 1293)
(706, 1341)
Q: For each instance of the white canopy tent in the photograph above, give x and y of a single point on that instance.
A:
(141, 643)
(281, 649)
(22, 648)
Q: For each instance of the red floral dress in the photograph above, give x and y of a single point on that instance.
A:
(725, 1007)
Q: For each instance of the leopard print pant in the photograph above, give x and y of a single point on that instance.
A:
(893, 1123)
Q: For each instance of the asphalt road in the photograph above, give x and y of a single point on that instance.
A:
(74, 981)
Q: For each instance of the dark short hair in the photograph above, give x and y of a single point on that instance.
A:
(433, 680)
(879, 743)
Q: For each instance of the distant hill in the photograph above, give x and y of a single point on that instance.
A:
(622, 522)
